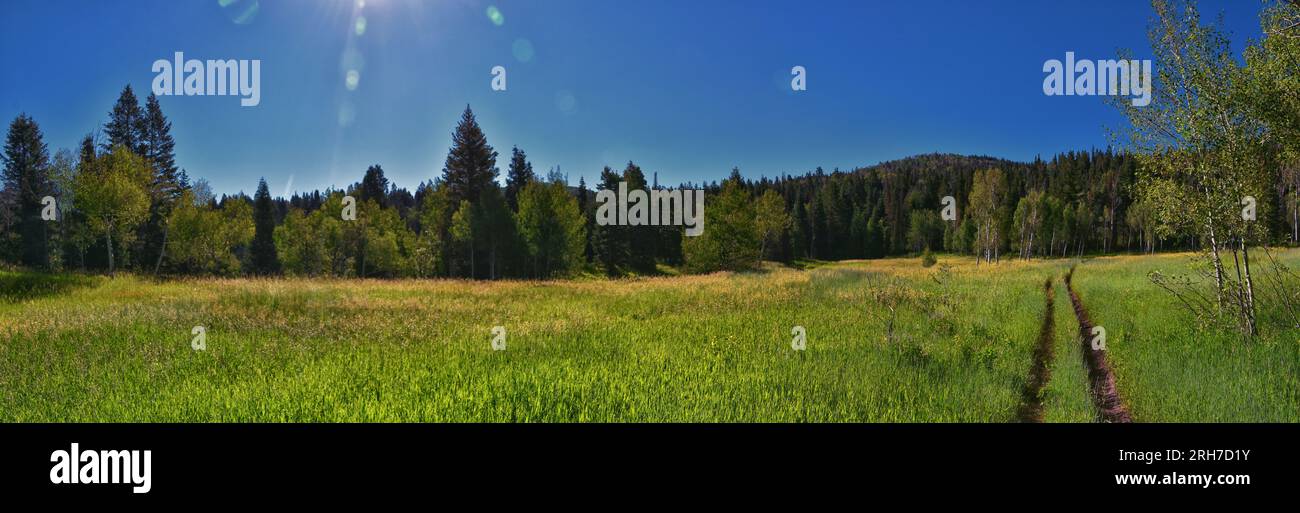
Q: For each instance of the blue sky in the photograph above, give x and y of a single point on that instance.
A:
(686, 88)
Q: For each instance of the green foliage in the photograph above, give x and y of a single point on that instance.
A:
(518, 176)
(374, 186)
(987, 197)
(924, 230)
(26, 175)
(112, 192)
(471, 161)
(610, 242)
(264, 259)
(730, 241)
(202, 239)
(770, 221)
(553, 228)
(958, 351)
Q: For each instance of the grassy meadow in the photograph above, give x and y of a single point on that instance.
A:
(887, 341)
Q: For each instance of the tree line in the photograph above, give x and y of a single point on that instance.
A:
(123, 203)
(1217, 131)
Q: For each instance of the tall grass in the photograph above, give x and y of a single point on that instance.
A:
(955, 347)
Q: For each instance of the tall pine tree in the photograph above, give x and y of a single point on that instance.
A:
(167, 185)
(609, 242)
(126, 124)
(374, 186)
(641, 240)
(471, 163)
(265, 261)
(519, 174)
(469, 175)
(26, 170)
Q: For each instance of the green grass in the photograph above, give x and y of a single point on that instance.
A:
(673, 348)
(1170, 370)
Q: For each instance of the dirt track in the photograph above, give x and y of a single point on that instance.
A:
(1031, 400)
(1105, 395)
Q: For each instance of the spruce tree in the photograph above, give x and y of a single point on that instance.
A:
(799, 230)
(167, 185)
(126, 124)
(471, 163)
(640, 239)
(587, 213)
(608, 242)
(26, 170)
(160, 149)
(374, 186)
(265, 261)
(519, 174)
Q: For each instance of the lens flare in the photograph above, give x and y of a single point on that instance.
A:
(240, 12)
(495, 15)
(360, 26)
(352, 60)
(565, 101)
(352, 80)
(347, 114)
(523, 50)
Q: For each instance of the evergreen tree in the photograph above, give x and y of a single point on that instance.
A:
(799, 230)
(471, 162)
(518, 176)
(374, 186)
(584, 207)
(730, 241)
(26, 170)
(609, 241)
(126, 124)
(160, 149)
(497, 231)
(640, 239)
(167, 185)
(817, 236)
(265, 260)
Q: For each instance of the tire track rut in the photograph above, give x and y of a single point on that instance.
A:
(1101, 380)
(1031, 397)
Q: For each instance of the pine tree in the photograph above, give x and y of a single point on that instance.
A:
(731, 240)
(160, 149)
(26, 170)
(799, 230)
(167, 186)
(519, 175)
(374, 186)
(817, 236)
(126, 124)
(471, 162)
(641, 240)
(265, 261)
(608, 242)
(88, 152)
(584, 208)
